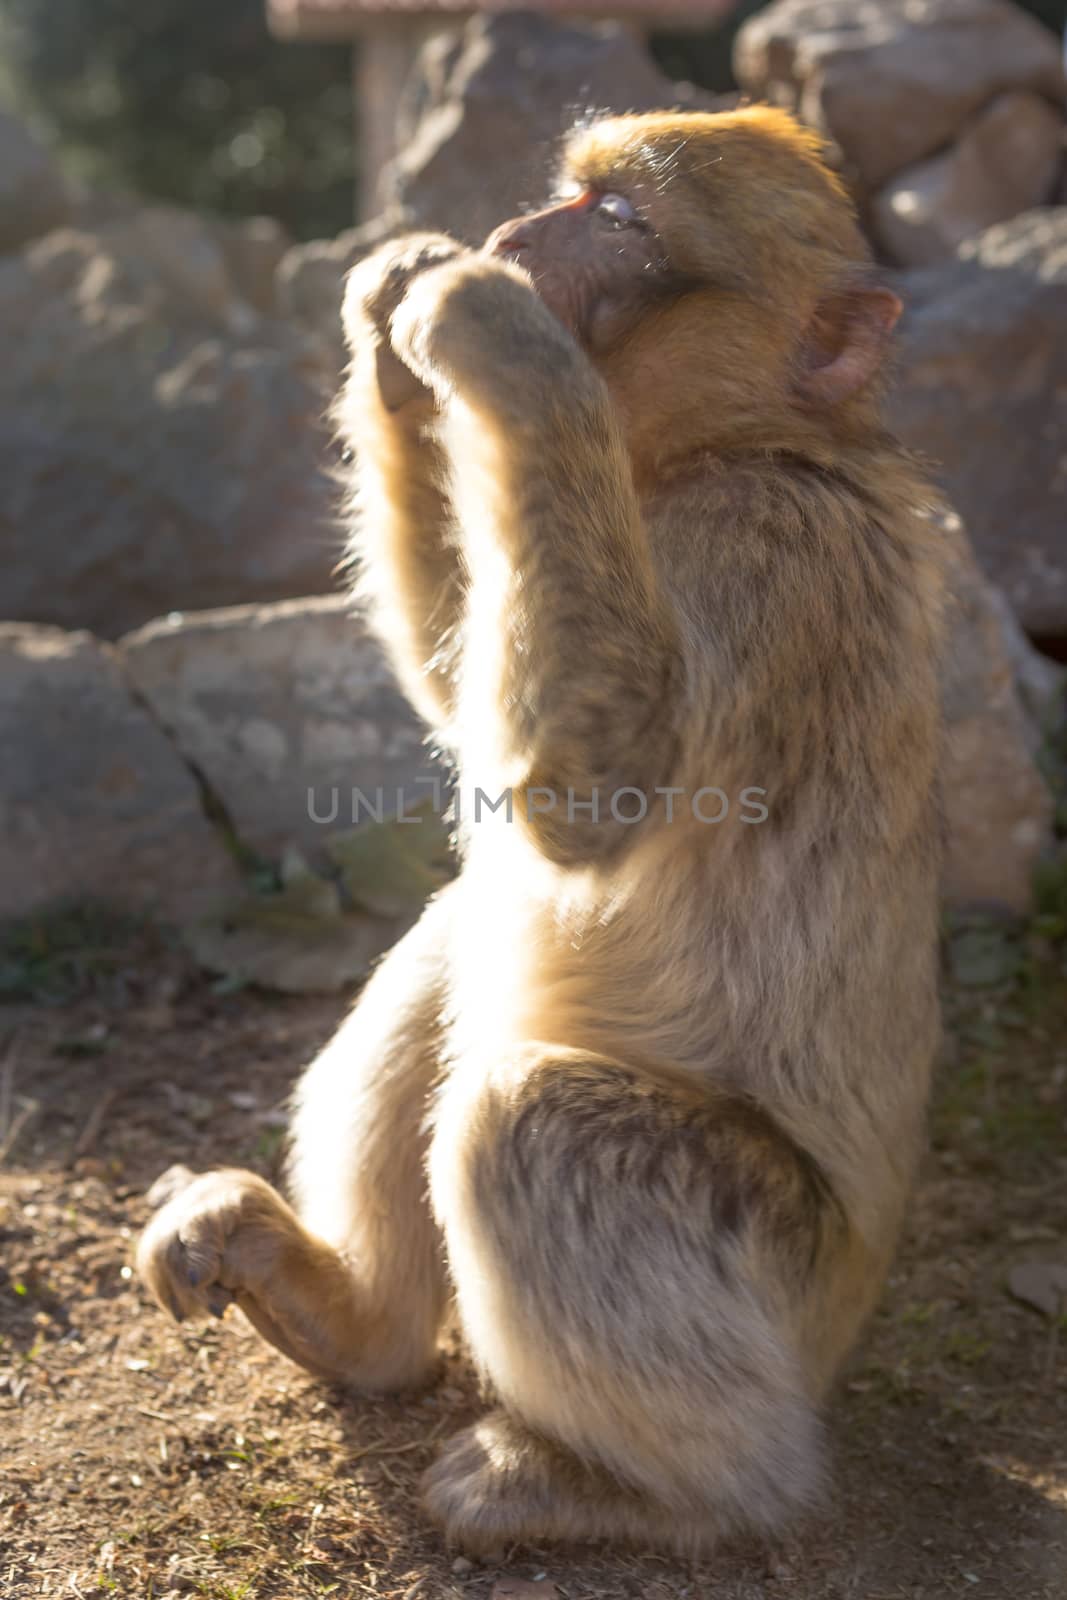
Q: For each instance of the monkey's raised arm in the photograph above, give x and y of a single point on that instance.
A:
(409, 569)
(569, 639)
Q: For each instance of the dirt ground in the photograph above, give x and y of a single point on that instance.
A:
(142, 1459)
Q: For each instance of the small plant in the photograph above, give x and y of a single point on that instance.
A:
(65, 952)
(1050, 897)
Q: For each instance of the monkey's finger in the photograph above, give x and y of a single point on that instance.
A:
(169, 1301)
(410, 328)
(161, 1268)
(431, 250)
(178, 1257)
(167, 1185)
(375, 286)
(397, 384)
(218, 1298)
(196, 1255)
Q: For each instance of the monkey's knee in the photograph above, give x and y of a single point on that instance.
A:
(609, 1244)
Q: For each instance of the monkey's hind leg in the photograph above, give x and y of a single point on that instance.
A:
(627, 1253)
(348, 1282)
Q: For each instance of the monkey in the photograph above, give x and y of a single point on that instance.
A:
(639, 1100)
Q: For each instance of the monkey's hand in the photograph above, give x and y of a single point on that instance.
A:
(477, 327)
(374, 289)
(215, 1236)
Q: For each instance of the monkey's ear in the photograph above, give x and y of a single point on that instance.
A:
(846, 342)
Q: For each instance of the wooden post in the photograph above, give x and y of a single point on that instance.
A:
(384, 55)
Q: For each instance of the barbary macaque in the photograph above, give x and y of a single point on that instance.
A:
(641, 1096)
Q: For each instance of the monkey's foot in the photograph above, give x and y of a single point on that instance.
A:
(214, 1237)
(227, 1237)
(495, 1484)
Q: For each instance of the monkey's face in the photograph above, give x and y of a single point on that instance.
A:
(595, 258)
(718, 245)
(655, 206)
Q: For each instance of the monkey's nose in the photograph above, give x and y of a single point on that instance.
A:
(507, 240)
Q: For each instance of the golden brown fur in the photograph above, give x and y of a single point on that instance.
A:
(627, 518)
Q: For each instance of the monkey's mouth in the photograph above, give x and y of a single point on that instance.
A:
(554, 291)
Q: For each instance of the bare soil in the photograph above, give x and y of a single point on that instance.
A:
(142, 1459)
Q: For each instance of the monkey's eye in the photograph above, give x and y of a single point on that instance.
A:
(617, 210)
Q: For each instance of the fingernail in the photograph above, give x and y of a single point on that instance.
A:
(218, 1300)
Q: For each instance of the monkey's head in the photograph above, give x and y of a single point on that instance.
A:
(715, 253)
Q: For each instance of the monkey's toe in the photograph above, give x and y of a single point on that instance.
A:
(465, 1496)
(497, 1484)
(179, 1272)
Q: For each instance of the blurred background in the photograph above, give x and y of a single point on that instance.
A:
(183, 186)
(200, 104)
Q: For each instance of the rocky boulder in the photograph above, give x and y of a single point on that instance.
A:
(286, 711)
(1007, 160)
(95, 802)
(290, 716)
(34, 195)
(253, 249)
(996, 692)
(893, 82)
(309, 283)
(982, 392)
(161, 442)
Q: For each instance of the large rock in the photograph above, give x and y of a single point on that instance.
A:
(161, 443)
(1006, 161)
(309, 283)
(284, 710)
(253, 249)
(995, 690)
(982, 391)
(894, 81)
(34, 196)
(95, 803)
